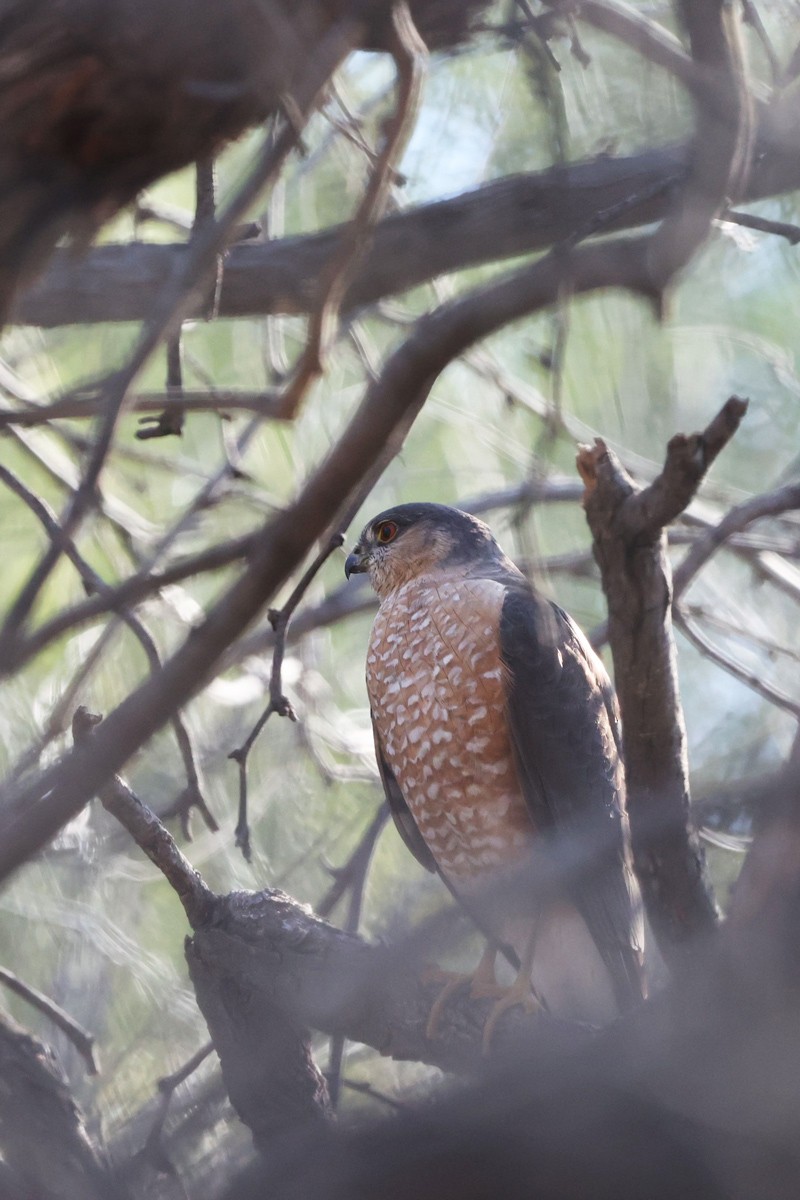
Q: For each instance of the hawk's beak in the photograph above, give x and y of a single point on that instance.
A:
(355, 563)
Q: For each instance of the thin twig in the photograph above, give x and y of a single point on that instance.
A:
(366, 1089)
(634, 28)
(410, 56)
(279, 703)
(85, 403)
(192, 796)
(354, 869)
(75, 1033)
(351, 877)
(154, 1149)
(770, 504)
(169, 422)
(762, 224)
(750, 678)
(147, 831)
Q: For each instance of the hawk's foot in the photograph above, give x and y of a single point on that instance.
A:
(481, 983)
(519, 995)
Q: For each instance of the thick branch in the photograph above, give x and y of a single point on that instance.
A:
(630, 548)
(43, 1137)
(287, 959)
(517, 215)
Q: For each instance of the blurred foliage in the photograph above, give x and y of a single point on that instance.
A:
(92, 924)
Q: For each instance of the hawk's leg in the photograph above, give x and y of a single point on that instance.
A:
(519, 994)
(482, 983)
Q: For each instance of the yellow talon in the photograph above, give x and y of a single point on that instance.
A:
(521, 994)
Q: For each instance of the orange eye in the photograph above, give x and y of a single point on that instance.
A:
(386, 532)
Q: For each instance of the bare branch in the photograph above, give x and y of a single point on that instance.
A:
(638, 31)
(351, 875)
(43, 1135)
(770, 504)
(88, 403)
(410, 56)
(762, 224)
(751, 679)
(630, 547)
(646, 512)
(279, 704)
(722, 147)
(154, 1148)
(147, 831)
(75, 1033)
(352, 878)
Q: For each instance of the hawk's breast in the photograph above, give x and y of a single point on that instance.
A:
(436, 687)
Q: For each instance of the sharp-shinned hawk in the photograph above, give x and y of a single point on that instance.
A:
(496, 728)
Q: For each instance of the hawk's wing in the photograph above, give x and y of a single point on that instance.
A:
(406, 825)
(562, 718)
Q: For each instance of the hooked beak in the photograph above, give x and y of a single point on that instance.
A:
(355, 563)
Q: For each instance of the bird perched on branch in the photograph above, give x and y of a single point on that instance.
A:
(496, 732)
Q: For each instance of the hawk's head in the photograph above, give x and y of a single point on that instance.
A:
(410, 540)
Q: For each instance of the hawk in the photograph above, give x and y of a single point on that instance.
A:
(496, 727)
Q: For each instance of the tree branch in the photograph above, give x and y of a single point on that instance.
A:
(630, 548)
(75, 1033)
(43, 1136)
(517, 215)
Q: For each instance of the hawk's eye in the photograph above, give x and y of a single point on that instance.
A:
(386, 532)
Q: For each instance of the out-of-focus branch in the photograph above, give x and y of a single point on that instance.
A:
(692, 631)
(75, 1033)
(638, 31)
(627, 525)
(410, 56)
(517, 215)
(352, 878)
(43, 1137)
(762, 224)
(154, 1150)
(719, 162)
(87, 404)
(737, 519)
(100, 99)
(192, 796)
(146, 830)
